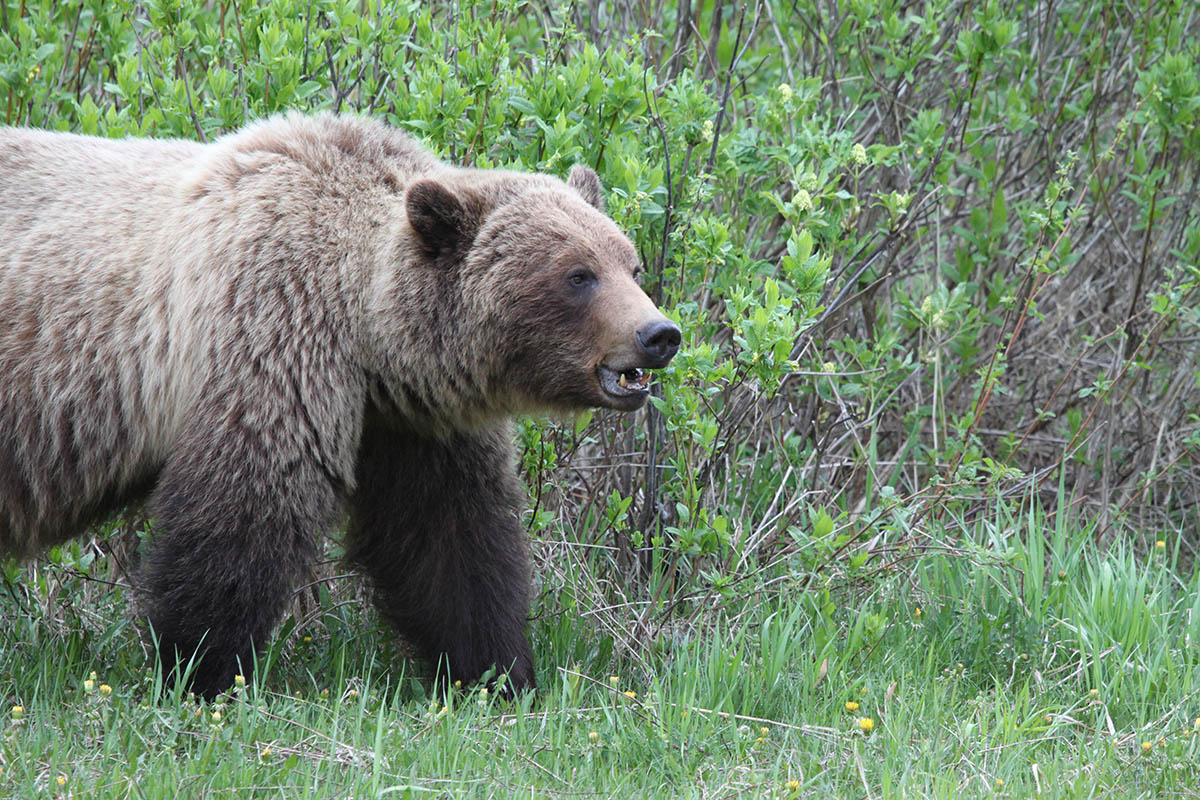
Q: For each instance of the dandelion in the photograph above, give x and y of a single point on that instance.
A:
(1094, 692)
(93, 675)
(1160, 546)
(593, 737)
(614, 679)
(917, 613)
(264, 753)
(239, 681)
(803, 201)
(458, 684)
(325, 692)
(858, 154)
(61, 780)
(866, 724)
(792, 786)
(999, 783)
(851, 706)
(630, 693)
(1147, 747)
(105, 689)
(352, 693)
(760, 741)
(308, 640)
(18, 712)
(785, 92)
(89, 685)
(764, 730)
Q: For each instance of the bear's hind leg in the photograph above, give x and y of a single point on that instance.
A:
(238, 527)
(434, 524)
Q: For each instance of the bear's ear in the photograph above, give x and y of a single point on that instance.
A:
(585, 181)
(440, 219)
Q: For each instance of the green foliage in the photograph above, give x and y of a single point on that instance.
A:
(938, 271)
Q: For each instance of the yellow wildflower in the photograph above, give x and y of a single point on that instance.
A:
(867, 724)
(593, 737)
(851, 706)
(105, 689)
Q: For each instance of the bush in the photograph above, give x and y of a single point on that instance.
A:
(926, 257)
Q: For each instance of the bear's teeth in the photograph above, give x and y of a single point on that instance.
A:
(622, 382)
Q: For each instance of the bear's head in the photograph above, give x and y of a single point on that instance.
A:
(546, 287)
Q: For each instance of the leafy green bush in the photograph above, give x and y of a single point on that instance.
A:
(927, 258)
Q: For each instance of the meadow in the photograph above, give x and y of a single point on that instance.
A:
(914, 513)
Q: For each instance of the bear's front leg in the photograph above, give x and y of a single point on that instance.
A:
(435, 525)
(238, 519)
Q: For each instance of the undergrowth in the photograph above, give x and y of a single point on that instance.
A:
(930, 447)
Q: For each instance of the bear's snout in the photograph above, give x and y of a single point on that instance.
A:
(659, 342)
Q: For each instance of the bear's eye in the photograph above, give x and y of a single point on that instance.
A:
(581, 277)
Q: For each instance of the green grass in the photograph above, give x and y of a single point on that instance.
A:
(1003, 656)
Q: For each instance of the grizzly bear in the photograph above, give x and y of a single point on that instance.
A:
(308, 321)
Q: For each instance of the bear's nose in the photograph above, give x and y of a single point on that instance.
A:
(660, 341)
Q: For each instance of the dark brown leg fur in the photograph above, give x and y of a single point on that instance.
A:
(238, 521)
(434, 523)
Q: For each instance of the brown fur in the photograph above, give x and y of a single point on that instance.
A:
(309, 315)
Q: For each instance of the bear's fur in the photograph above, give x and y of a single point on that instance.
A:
(308, 317)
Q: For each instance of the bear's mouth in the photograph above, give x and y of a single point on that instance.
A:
(624, 384)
